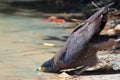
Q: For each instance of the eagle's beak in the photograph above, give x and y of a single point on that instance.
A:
(41, 69)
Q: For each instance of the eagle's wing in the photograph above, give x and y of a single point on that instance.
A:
(78, 39)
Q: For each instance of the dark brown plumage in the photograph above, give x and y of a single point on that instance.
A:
(80, 48)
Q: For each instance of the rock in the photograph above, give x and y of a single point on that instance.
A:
(111, 32)
(64, 75)
(117, 28)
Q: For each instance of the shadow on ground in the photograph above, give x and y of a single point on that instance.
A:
(99, 72)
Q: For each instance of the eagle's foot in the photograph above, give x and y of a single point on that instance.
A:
(80, 70)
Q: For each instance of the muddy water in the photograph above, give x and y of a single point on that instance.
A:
(22, 47)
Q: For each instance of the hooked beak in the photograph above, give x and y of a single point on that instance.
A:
(41, 69)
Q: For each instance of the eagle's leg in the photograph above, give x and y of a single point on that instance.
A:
(81, 70)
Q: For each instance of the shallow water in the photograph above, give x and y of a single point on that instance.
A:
(22, 49)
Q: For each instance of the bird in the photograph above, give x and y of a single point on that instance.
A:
(82, 45)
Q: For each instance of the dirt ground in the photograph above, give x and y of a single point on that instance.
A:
(26, 42)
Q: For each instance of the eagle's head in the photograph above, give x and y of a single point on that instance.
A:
(48, 67)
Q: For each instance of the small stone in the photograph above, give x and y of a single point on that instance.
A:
(111, 32)
(115, 67)
(64, 75)
(117, 27)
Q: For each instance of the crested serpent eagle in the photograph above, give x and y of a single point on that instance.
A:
(82, 45)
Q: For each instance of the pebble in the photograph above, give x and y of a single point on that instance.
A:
(117, 27)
